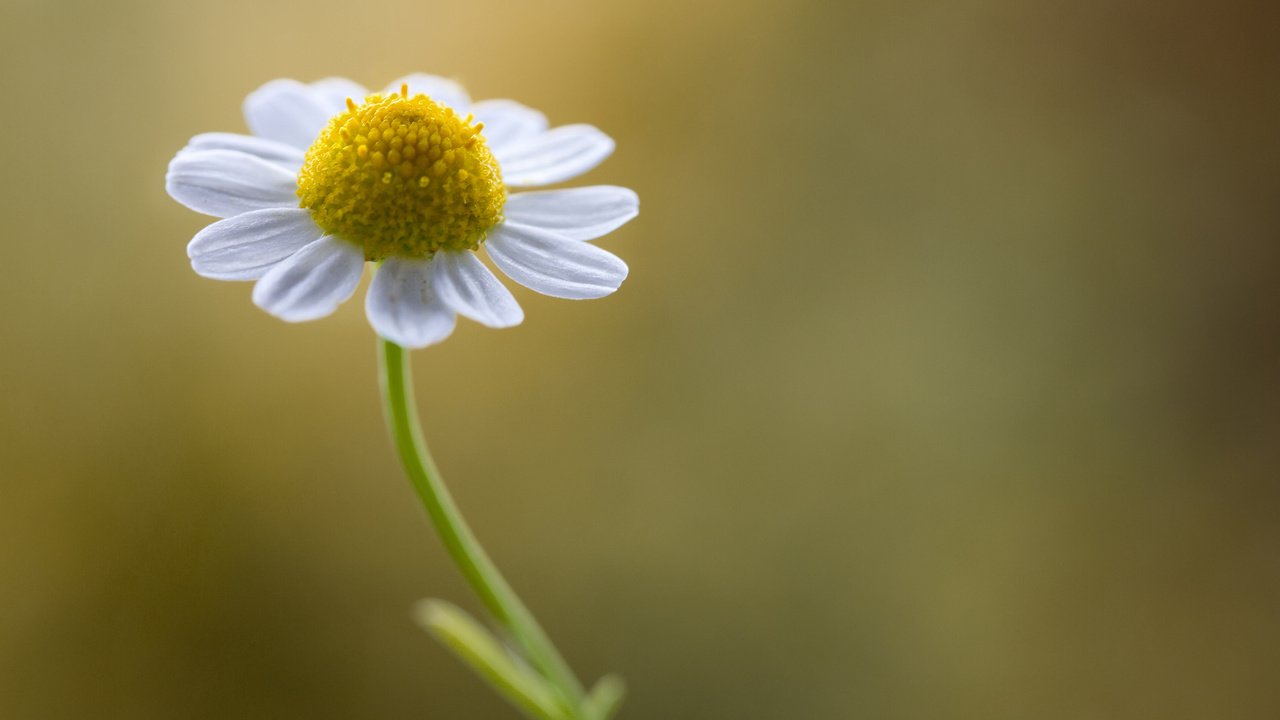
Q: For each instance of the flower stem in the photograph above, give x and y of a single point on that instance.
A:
(483, 576)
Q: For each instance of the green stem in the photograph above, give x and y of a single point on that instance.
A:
(494, 591)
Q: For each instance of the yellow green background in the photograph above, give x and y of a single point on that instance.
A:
(946, 383)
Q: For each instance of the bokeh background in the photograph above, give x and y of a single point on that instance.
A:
(946, 383)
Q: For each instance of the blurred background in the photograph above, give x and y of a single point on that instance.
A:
(946, 383)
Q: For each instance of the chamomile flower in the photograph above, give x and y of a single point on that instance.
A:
(416, 178)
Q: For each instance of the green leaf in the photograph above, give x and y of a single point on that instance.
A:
(605, 698)
(490, 659)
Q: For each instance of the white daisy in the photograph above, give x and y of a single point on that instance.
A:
(416, 178)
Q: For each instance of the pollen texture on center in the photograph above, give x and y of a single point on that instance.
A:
(402, 176)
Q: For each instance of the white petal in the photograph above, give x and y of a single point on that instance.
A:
(463, 283)
(507, 122)
(246, 246)
(286, 156)
(223, 183)
(583, 213)
(554, 156)
(312, 282)
(287, 111)
(402, 305)
(442, 90)
(334, 91)
(554, 265)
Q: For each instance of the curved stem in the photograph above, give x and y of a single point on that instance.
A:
(483, 576)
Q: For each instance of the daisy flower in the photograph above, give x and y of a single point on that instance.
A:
(416, 178)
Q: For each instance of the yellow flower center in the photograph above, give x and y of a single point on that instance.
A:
(402, 176)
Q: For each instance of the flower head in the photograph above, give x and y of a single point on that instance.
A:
(417, 178)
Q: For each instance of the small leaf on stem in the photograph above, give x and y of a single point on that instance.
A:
(490, 659)
(605, 698)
